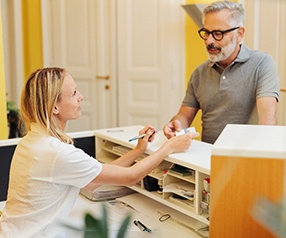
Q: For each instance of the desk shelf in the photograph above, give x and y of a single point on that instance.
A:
(189, 178)
(110, 147)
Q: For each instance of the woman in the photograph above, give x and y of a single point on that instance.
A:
(47, 171)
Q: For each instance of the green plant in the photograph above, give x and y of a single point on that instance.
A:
(13, 119)
(98, 228)
(11, 107)
(16, 129)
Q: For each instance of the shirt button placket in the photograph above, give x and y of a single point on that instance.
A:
(223, 82)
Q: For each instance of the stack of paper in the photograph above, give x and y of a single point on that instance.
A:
(106, 192)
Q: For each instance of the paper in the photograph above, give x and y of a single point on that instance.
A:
(184, 131)
(106, 192)
(183, 189)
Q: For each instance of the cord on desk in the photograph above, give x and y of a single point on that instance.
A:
(164, 217)
(167, 216)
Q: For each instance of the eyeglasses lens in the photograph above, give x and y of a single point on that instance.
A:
(217, 35)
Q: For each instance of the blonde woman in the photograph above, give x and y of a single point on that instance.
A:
(47, 170)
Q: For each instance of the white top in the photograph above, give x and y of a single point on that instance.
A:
(252, 141)
(45, 178)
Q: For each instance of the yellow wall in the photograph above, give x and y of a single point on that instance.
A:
(195, 52)
(195, 49)
(32, 44)
(3, 109)
(32, 36)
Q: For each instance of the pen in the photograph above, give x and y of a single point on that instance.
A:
(115, 130)
(141, 226)
(139, 137)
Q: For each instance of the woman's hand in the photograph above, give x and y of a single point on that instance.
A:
(150, 132)
(181, 143)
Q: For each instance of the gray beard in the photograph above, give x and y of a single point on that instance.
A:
(224, 54)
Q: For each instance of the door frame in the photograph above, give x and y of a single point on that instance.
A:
(13, 53)
(106, 67)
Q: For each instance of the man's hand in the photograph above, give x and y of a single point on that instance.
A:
(171, 128)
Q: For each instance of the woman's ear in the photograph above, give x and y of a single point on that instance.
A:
(55, 111)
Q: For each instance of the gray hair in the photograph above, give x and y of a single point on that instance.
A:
(237, 15)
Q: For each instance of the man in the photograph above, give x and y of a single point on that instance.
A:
(235, 85)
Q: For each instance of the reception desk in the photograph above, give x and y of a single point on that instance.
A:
(171, 209)
(247, 163)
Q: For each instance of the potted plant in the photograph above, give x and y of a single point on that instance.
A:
(16, 128)
(99, 228)
(13, 120)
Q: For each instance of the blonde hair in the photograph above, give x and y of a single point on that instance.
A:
(39, 95)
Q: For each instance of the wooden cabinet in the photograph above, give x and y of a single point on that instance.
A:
(177, 182)
(247, 164)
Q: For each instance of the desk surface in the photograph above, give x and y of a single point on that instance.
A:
(145, 209)
(198, 155)
(254, 141)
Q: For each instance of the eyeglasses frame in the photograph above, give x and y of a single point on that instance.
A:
(212, 32)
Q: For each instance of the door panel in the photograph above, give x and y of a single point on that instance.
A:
(150, 61)
(70, 40)
(127, 58)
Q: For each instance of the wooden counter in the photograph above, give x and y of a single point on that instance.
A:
(247, 163)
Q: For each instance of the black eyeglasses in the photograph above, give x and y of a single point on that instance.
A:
(217, 34)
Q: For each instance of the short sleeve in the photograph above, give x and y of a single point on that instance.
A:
(190, 98)
(268, 82)
(74, 167)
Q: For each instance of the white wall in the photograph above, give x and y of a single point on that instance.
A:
(13, 52)
(266, 31)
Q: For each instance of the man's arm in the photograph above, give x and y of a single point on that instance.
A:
(266, 109)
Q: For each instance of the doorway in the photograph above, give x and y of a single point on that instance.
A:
(127, 59)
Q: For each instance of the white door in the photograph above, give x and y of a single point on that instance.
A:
(75, 38)
(126, 57)
(150, 60)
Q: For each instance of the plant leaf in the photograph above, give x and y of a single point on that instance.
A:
(97, 227)
(104, 222)
(90, 221)
(92, 227)
(123, 227)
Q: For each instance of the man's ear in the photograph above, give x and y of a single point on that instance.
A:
(55, 111)
(241, 31)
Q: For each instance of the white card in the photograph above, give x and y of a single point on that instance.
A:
(184, 131)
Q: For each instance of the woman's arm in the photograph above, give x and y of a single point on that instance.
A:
(118, 175)
(129, 158)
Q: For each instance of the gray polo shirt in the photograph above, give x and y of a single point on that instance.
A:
(228, 96)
